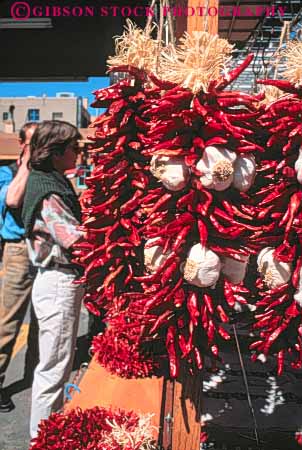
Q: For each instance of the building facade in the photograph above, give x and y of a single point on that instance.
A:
(15, 111)
(10, 151)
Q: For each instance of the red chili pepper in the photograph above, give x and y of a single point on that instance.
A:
(203, 232)
(296, 275)
(162, 84)
(247, 147)
(284, 85)
(205, 202)
(228, 293)
(237, 132)
(230, 102)
(198, 358)
(163, 318)
(227, 232)
(231, 76)
(285, 252)
(167, 245)
(223, 316)
(294, 205)
(192, 306)
(181, 238)
(199, 108)
(271, 339)
(209, 303)
(182, 345)
(186, 200)
(223, 215)
(211, 330)
(255, 345)
(280, 301)
(132, 203)
(240, 299)
(130, 275)
(111, 276)
(179, 298)
(168, 274)
(296, 131)
(190, 340)
(224, 334)
(156, 299)
(217, 140)
(140, 74)
(235, 94)
(215, 350)
(170, 344)
(230, 252)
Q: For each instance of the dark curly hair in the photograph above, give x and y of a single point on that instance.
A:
(51, 137)
(22, 132)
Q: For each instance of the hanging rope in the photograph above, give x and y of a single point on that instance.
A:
(284, 37)
(245, 380)
(148, 27)
(170, 23)
(206, 19)
(160, 33)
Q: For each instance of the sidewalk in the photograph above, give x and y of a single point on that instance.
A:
(14, 426)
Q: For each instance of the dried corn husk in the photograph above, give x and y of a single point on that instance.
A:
(293, 62)
(135, 48)
(199, 59)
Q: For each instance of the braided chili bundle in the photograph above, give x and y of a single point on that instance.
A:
(168, 216)
(111, 253)
(96, 428)
(123, 351)
(278, 318)
(185, 214)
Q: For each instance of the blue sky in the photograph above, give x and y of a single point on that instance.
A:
(79, 88)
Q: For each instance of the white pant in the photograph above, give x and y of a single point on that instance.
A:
(57, 304)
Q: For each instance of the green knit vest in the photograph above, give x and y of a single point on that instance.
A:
(41, 185)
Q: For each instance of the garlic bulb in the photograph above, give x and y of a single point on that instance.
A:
(274, 272)
(244, 172)
(298, 166)
(233, 269)
(298, 293)
(171, 171)
(217, 168)
(153, 256)
(202, 267)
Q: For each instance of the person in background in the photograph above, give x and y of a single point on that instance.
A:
(17, 277)
(51, 214)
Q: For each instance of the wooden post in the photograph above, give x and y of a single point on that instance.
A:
(187, 391)
(181, 412)
(196, 21)
(205, 17)
(187, 412)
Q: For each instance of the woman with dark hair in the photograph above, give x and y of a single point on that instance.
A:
(51, 215)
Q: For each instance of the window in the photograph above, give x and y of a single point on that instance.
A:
(33, 115)
(83, 172)
(57, 115)
(5, 116)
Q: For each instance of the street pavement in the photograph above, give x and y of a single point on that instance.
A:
(14, 426)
